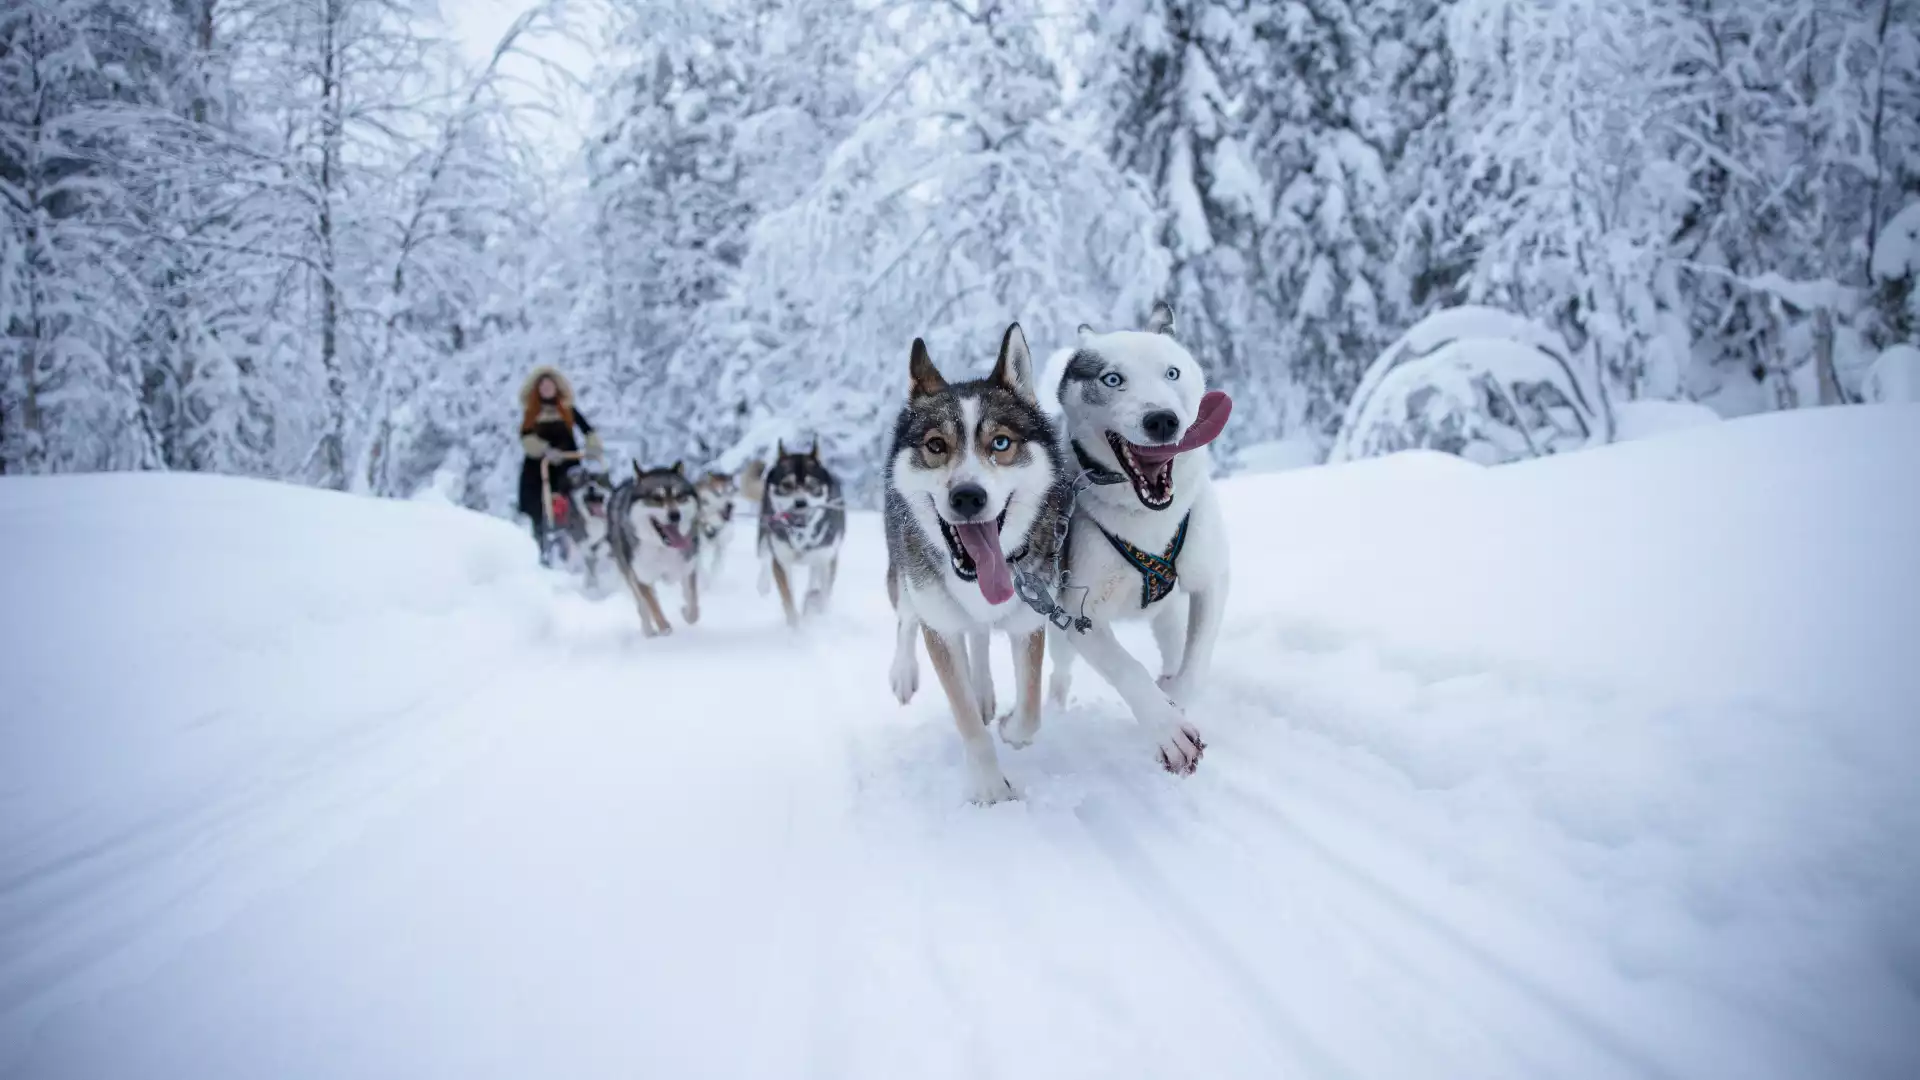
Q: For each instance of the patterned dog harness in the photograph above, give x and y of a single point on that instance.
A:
(1158, 573)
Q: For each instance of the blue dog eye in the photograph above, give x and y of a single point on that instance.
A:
(1113, 379)
(1173, 373)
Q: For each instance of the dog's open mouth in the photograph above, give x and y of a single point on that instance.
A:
(1150, 468)
(671, 535)
(975, 550)
(1152, 476)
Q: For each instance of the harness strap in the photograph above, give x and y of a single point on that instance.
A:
(1157, 572)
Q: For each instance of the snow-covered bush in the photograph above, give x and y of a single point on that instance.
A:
(1895, 376)
(1481, 383)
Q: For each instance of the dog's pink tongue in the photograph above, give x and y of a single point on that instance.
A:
(982, 541)
(1215, 407)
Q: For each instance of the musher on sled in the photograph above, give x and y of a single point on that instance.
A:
(548, 476)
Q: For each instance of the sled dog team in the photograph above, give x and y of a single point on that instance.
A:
(659, 527)
(999, 518)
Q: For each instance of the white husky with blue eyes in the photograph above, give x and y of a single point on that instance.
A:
(1147, 537)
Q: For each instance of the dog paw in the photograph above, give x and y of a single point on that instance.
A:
(816, 604)
(1180, 751)
(656, 631)
(990, 786)
(1018, 731)
(692, 615)
(904, 678)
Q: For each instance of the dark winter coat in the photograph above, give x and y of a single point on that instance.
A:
(544, 426)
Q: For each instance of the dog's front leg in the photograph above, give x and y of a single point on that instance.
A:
(819, 580)
(950, 663)
(641, 596)
(980, 673)
(1023, 723)
(1203, 631)
(786, 592)
(652, 601)
(1180, 744)
(1170, 635)
(1062, 680)
(820, 584)
(690, 606)
(904, 676)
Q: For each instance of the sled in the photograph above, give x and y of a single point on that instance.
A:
(556, 543)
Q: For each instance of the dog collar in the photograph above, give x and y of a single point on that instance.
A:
(1096, 472)
(1158, 573)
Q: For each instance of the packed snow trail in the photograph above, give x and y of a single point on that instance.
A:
(298, 785)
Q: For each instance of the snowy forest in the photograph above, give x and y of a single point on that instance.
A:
(313, 240)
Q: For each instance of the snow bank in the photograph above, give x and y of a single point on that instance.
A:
(1278, 455)
(270, 614)
(179, 651)
(1644, 419)
(1667, 691)
(1770, 556)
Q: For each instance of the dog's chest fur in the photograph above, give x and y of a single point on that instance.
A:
(654, 561)
(1113, 584)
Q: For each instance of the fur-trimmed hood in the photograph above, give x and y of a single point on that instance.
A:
(545, 371)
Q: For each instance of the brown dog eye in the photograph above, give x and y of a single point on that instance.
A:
(936, 446)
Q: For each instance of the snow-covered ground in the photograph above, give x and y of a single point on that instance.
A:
(1601, 765)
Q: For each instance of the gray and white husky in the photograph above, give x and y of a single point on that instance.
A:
(717, 491)
(975, 491)
(651, 527)
(587, 524)
(1147, 537)
(803, 518)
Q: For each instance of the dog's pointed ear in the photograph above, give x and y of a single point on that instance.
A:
(1014, 369)
(927, 380)
(1161, 321)
(814, 450)
(779, 448)
(680, 468)
(636, 469)
(1083, 331)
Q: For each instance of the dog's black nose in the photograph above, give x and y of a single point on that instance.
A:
(673, 517)
(799, 504)
(967, 500)
(1161, 425)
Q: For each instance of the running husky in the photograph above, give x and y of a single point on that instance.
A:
(802, 521)
(587, 524)
(652, 521)
(717, 492)
(1147, 537)
(976, 492)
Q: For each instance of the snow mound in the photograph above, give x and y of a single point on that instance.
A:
(1645, 419)
(1478, 382)
(1895, 376)
(1278, 455)
(1896, 253)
